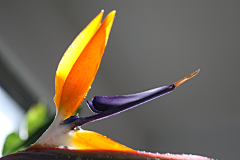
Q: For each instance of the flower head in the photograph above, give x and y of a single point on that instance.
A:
(75, 74)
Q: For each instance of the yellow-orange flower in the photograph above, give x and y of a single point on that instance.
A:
(75, 74)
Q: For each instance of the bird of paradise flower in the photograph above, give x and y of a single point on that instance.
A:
(75, 74)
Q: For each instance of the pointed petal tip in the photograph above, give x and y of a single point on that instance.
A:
(181, 81)
(112, 14)
(101, 13)
(113, 11)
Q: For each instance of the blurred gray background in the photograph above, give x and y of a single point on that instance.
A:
(152, 43)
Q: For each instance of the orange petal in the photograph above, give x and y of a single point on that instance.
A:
(82, 139)
(72, 54)
(83, 70)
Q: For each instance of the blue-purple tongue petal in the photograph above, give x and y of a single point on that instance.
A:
(106, 106)
(104, 103)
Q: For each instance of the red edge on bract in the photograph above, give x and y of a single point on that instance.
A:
(57, 153)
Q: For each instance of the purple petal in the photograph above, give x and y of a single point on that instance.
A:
(103, 103)
(106, 106)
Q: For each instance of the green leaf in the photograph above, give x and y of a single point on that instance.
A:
(37, 122)
(36, 117)
(11, 141)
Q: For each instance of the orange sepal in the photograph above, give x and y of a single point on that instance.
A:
(73, 83)
(72, 54)
(88, 140)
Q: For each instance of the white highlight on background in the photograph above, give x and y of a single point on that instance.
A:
(10, 116)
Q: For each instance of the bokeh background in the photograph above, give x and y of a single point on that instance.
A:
(152, 43)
